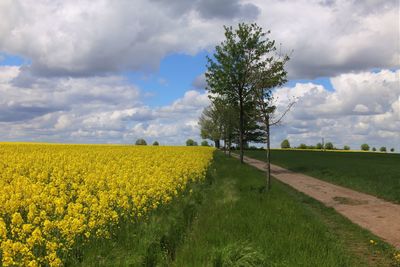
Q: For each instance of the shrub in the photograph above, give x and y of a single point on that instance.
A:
(373, 149)
(365, 147)
(302, 146)
(392, 149)
(319, 146)
(329, 146)
(191, 142)
(285, 144)
(382, 149)
(141, 142)
(156, 143)
(204, 143)
(346, 148)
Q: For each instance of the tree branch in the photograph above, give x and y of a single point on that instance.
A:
(290, 105)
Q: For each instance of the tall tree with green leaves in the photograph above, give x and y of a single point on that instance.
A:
(234, 70)
(210, 124)
(218, 122)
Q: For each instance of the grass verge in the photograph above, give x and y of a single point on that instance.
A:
(373, 173)
(238, 225)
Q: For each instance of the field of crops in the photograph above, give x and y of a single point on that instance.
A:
(56, 197)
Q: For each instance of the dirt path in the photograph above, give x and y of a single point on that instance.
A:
(378, 216)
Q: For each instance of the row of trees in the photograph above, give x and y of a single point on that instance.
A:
(240, 76)
(189, 142)
(142, 142)
(366, 147)
(329, 146)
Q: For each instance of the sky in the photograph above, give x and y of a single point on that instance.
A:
(106, 71)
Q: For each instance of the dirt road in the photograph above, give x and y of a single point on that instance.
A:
(378, 216)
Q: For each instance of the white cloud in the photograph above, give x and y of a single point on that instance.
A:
(364, 107)
(96, 109)
(333, 37)
(83, 38)
(360, 108)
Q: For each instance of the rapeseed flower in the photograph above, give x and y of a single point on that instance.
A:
(54, 195)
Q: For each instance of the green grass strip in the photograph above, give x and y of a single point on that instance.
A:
(238, 225)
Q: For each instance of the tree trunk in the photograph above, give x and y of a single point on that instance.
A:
(229, 146)
(268, 155)
(225, 148)
(241, 126)
(217, 145)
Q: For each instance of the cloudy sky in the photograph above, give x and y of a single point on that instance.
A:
(112, 71)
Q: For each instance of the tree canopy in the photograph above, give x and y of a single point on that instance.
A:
(241, 74)
(141, 142)
(285, 144)
(191, 142)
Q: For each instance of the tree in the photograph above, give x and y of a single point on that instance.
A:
(302, 146)
(204, 143)
(365, 147)
(156, 143)
(210, 124)
(329, 146)
(141, 142)
(392, 149)
(346, 148)
(239, 66)
(319, 146)
(191, 142)
(382, 149)
(285, 144)
(374, 149)
(218, 121)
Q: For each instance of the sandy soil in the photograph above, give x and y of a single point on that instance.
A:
(378, 216)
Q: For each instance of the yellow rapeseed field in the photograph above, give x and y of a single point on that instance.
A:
(55, 196)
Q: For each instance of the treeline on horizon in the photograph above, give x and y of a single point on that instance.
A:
(329, 146)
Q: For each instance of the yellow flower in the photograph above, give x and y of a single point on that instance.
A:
(56, 194)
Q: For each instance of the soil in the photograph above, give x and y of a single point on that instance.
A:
(380, 217)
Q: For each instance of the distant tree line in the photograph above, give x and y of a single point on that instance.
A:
(189, 142)
(142, 142)
(285, 144)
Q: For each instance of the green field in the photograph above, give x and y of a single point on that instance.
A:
(374, 173)
(284, 227)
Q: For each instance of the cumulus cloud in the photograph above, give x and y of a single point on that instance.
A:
(210, 9)
(334, 37)
(364, 107)
(84, 38)
(200, 82)
(91, 110)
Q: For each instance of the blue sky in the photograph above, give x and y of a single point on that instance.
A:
(173, 78)
(12, 60)
(110, 73)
